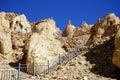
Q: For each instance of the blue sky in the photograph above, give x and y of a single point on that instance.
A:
(62, 10)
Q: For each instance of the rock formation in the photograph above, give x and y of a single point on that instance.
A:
(8, 31)
(69, 30)
(116, 54)
(43, 44)
(104, 29)
(84, 25)
(18, 23)
(5, 38)
(85, 30)
(41, 41)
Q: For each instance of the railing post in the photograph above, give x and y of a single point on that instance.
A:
(48, 67)
(19, 71)
(59, 60)
(68, 56)
(76, 53)
(33, 68)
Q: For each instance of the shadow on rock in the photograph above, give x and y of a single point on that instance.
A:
(23, 67)
(101, 57)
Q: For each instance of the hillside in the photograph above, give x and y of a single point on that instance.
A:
(28, 43)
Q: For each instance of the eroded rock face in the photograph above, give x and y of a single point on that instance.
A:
(8, 41)
(5, 43)
(20, 24)
(110, 24)
(46, 41)
(85, 30)
(3, 22)
(43, 44)
(84, 26)
(105, 28)
(116, 54)
(5, 38)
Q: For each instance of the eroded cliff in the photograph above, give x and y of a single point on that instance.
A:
(40, 41)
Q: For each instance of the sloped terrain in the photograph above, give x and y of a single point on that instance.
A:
(21, 41)
(95, 64)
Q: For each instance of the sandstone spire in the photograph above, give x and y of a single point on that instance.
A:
(69, 30)
(69, 22)
(84, 25)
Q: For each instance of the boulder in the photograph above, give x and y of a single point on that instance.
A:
(43, 45)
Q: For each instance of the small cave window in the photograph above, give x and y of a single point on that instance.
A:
(15, 28)
(17, 22)
(111, 22)
(26, 28)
